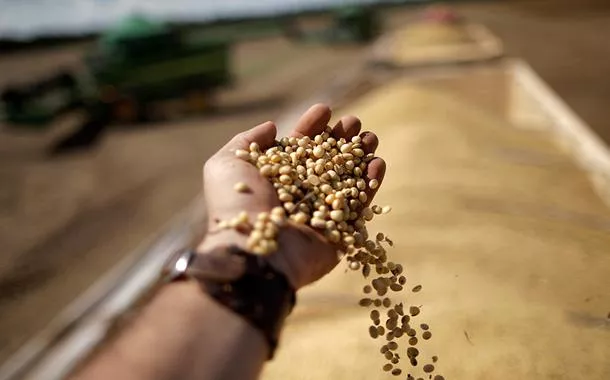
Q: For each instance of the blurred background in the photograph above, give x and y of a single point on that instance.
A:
(109, 108)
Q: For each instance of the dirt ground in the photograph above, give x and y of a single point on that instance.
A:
(65, 221)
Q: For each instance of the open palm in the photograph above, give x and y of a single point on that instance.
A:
(304, 254)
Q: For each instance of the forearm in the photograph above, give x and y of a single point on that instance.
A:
(182, 334)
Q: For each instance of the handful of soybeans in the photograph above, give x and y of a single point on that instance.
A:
(321, 182)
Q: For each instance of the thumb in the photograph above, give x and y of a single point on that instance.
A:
(263, 134)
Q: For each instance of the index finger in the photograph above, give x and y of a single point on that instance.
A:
(263, 134)
(313, 122)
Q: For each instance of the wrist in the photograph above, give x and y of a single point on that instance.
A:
(288, 238)
(242, 282)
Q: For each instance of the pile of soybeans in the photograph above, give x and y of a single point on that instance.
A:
(321, 182)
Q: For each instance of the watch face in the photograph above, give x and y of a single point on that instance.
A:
(181, 264)
(176, 266)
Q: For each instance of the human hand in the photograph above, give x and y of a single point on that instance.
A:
(304, 255)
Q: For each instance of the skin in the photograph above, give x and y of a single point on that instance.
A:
(183, 333)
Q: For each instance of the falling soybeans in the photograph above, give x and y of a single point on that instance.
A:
(321, 182)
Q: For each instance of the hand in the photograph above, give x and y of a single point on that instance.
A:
(304, 255)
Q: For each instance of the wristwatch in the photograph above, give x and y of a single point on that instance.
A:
(241, 281)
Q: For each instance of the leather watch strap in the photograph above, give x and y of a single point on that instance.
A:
(244, 283)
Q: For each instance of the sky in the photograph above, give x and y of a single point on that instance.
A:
(22, 19)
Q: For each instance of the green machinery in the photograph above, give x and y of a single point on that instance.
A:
(37, 104)
(355, 24)
(141, 63)
(143, 70)
(131, 69)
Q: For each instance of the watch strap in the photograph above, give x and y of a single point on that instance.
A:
(242, 282)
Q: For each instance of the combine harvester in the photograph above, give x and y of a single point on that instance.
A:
(142, 71)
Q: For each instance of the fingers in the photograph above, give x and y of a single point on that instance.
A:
(369, 142)
(375, 170)
(263, 134)
(347, 127)
(313, 122)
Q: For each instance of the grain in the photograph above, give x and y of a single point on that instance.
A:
(365, 302)
(373, 332)
(374, 314)
(414, 310)
(241, 187)
(321, 182)
(244, 155)
(412, 352)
